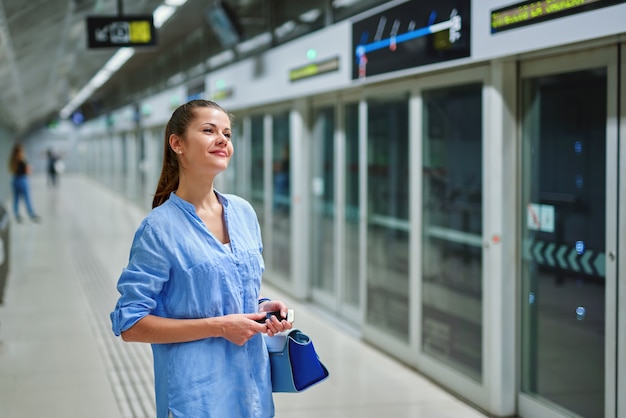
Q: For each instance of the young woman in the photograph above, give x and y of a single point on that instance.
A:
(191, 287)
(18, 166)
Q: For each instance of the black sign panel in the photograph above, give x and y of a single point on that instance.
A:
(415, 33)
(529, 12)
(119, 31)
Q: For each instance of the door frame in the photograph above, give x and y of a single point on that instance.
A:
(621, 238)
(495, 393)
(334, 302)
(606, 57)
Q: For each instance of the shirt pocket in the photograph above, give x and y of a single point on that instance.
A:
(256, 265)
(205, 290)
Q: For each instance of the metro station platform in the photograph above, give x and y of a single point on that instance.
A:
(59, 358)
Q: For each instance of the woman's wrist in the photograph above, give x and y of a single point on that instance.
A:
(263, 300)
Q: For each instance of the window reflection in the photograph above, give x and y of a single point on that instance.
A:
(323, 200)
(452, 228)
(387, 223)
(281, 204)
(564, 233)
(351, 215)
(257, 187)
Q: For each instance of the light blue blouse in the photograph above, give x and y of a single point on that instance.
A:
(178, 269)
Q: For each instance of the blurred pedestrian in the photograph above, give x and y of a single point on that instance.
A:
(191, 287)
(19, 167)
(52, 167)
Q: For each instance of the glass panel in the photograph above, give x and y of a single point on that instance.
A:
(257, 182)
(452, 228)
(387, 221)
(230, 181)
(323, 200)
(563, 240)
(115, 158)
(281, 229)
(351, 216)
(157, 143)
(141, 142)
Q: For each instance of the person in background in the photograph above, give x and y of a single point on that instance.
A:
(52, 159)
(191, 286)
(19, 168)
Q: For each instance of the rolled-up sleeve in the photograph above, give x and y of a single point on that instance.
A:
(141, 281)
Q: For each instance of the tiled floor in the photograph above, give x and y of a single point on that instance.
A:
(58, 357)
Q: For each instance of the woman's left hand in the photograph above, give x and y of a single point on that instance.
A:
(275, 325)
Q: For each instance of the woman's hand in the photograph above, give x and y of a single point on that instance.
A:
(239, 328)
(274, 325)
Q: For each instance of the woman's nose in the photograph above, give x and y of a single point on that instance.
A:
(222, 139)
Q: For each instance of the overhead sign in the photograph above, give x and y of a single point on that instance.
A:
(415, 33)
(120, 31)
(314, 68)
(529, 12)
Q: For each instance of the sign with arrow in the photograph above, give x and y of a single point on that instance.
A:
(583, 261)
(411, 34)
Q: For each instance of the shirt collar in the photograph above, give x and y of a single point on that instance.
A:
(183, 204)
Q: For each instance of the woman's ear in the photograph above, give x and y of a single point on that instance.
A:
(176, 144)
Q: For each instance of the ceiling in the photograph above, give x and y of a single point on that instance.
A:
(45, 61)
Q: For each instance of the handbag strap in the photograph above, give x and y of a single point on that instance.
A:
(299, 337)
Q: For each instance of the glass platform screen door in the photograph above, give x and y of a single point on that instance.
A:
(569, 180)
(453, 306)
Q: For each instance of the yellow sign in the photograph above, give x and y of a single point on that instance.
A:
(140, 32)
(314, 69)
(529, 12)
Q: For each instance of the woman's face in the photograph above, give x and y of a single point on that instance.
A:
(207, 147)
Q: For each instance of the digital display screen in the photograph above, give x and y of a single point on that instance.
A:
(415, 33)
(530, 12)
(120, 31)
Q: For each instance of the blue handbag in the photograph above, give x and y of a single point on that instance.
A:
(294, 362)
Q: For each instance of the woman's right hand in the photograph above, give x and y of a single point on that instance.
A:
(239, 328)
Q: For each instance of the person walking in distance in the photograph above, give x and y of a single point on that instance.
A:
(20, 169)
(52, 167)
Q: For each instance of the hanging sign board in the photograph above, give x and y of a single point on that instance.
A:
(120, 31)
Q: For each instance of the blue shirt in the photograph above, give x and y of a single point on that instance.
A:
(178, 269)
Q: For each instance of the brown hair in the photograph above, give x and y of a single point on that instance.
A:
(17, 155)
(177, 125)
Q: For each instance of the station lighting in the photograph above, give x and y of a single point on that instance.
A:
(161, 15)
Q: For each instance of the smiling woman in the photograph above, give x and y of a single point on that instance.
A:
(195, 129)
(191, 287)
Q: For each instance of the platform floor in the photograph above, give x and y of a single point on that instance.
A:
(59, 358)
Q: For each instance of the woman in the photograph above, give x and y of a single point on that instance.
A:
(191, 287)
(18, 165)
